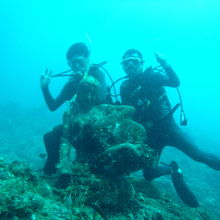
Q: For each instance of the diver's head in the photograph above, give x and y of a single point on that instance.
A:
(88, 93)
(132, 63)
(78, 58)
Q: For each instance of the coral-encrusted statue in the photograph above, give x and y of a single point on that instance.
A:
(104, 136)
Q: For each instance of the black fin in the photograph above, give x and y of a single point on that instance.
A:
(185, 194)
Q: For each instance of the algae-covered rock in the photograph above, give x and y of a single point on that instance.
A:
(122, 159)
(110, 146)
(107, 138)
(22, 195)
(27, 196)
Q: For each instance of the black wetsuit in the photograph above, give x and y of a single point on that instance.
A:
(52, 138)
(147, 94)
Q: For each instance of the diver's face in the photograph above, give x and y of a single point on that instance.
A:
(79, 64)
(132, 65)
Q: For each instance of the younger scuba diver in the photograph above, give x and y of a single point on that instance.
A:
(78, 57)
(144, 90)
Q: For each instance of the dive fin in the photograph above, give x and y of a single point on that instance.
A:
(185, 194)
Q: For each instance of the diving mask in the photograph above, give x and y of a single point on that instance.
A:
(131, 61)
(132, 66)
(79, 64)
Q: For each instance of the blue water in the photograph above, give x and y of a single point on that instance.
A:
(36, 34)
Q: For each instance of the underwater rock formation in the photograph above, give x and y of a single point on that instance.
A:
(110, 146)
(107, 139)
(24, 195)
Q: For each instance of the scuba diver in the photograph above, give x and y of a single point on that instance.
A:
(78, 57)
(145, 90)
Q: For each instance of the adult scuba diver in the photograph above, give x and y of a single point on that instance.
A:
(144, 90)
(78, 57)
